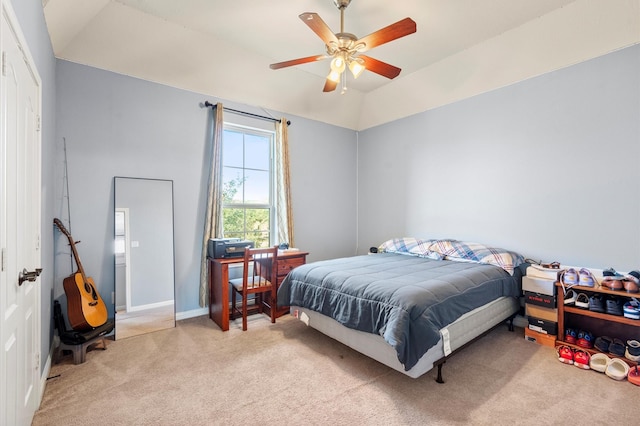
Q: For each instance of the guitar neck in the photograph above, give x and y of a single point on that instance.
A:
(77, 259)
(72, 243)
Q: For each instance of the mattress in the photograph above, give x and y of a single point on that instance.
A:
(452, 337)
(405, 299)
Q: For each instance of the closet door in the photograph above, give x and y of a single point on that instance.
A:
(20, 169)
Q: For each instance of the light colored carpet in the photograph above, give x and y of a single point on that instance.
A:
(287, 373)
(129, 324)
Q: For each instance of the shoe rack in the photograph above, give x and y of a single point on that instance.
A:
(599, 324)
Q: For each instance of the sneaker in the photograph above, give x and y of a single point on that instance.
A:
(569, 278)
(570, 335)
(581, 359)
(586, 278)
(631, 309)
(617, 347)
(602, 343)
(633, 276)
(570, 297)
(582, 301)
(585, 339)
(614, 306)
(595, 303)
(631, 282)
(565, 354)
(633, 350)
(612, 279)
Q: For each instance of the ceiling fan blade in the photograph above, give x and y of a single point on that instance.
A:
(379, 67)
(329, 86)
(315, 22)
(392, 32)
(297, 62)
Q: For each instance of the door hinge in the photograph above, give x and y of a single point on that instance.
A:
(3, 254)
(4, 63)
(37, 123)
(37, 361)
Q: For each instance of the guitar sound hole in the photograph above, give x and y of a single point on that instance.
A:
(89, 289)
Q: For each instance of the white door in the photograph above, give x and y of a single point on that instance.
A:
(19, 227)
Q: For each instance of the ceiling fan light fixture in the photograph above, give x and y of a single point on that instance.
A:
(338, 64)
(356, 66)
(334, 76)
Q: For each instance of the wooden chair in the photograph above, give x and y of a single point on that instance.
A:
(258, 280)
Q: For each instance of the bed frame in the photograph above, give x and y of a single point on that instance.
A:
(457, 335)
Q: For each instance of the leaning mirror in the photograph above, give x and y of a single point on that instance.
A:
(144, 256)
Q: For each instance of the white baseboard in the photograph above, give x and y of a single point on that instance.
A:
(45, 373)
(192, 313)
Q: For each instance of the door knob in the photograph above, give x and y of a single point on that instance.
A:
(28, 275)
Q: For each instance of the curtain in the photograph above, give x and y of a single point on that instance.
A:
(213, 217)
(283, 187)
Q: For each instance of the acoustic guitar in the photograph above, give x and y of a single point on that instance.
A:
(85, 307)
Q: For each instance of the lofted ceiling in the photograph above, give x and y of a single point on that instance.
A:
(223, 48)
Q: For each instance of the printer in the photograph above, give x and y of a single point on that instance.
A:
(221, 248)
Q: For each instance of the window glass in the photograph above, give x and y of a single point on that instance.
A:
(247, 179)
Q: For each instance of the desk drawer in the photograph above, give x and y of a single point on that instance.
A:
(286, 265)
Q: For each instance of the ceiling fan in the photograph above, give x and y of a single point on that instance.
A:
(346, 49)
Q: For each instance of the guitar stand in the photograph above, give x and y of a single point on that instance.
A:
(78, 341)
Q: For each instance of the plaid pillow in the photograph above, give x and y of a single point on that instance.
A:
(410, 246)
(467, 251)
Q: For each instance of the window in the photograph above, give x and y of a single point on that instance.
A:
(247, 175)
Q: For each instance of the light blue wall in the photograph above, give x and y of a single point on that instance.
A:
(31, 18)
(116, 125)
(549, 167)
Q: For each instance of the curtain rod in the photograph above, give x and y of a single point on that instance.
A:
(249, 114)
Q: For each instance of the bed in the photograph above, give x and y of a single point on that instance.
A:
(412, 304)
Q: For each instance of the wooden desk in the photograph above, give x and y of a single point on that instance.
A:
(219, 283)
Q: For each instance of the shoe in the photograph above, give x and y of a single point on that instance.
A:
(595, 303)
(602, 343)
(582, 301)
(631, 282)
(570, 297)
(570, 336)
(617, 347)
(631, 309)
(611, 279)
(581, 359)
(599, 362)
(586, 278)
(633, 350)
(617, 369)
(613, 306)
(585, 339)
(630, 286)
(634, 376)
(565, 354)
(568, 278)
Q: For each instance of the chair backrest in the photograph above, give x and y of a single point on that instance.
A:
(265, 267)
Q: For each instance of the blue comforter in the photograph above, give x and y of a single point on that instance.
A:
(404, 299)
